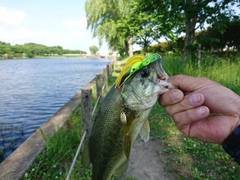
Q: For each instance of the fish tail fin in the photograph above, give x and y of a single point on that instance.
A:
(120, 170)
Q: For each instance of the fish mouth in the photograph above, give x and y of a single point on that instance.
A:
(162, 76)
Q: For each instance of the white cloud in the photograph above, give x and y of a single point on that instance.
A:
(23, 33)
(81, 23)
(11, 16)
(14, 30)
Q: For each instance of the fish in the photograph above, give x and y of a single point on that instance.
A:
(123, 115)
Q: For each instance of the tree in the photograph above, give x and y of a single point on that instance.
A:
(194, 13)
(93, 49)
(31, 49)
(213, 39)
(102, 18)
(147, 27)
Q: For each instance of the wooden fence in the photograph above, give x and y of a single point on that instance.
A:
(87, 111)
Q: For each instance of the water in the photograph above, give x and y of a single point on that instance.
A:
(32, 90)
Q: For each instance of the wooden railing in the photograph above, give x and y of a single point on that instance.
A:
(87, 111)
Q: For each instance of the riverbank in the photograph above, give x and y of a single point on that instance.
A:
(176, 155)
(65, 56)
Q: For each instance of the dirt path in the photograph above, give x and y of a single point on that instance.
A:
(146, 163)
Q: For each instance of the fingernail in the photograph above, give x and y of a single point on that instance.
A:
(175, 96)
(200, 111)
(194, 98)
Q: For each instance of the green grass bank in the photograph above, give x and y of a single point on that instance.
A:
(187, 158)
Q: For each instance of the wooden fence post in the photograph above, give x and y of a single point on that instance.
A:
(112, 66)
(105, 75)
(108, 70)
(86, 110)
(99, 85)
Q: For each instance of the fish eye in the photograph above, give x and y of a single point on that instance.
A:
(145, 73)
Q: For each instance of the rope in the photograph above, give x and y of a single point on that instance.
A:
(103, 87)
(95, 105)
(76, 155)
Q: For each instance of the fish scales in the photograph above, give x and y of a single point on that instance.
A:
(106, 132)
(123, 114)
(111, 135)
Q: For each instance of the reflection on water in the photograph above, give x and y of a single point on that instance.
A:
(31, 91)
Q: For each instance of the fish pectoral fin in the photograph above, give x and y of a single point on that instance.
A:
(86, 156)
(144, 133)
(127, 144)
(122, 168)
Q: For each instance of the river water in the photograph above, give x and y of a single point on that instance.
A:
(32, 90)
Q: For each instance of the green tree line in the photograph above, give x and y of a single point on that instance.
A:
(211, 40)
(122, 23)
(31, 50)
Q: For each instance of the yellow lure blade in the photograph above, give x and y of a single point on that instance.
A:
(127, 66)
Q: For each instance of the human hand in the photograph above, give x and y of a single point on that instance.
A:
(202, 108)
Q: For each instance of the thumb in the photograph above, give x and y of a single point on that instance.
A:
(186, 83)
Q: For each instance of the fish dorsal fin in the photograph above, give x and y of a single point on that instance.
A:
(127, 144)
(144, 133)
(122, 168)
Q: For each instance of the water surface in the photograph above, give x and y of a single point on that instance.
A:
(32, 90)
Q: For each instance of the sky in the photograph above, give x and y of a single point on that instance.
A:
(47, 22)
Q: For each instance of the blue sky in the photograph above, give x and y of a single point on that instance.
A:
(48, 22)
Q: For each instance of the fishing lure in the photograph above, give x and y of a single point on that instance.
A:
(133, 65)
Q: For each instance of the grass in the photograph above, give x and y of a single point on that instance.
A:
(223, 70)
(54, 161)
(187, 158)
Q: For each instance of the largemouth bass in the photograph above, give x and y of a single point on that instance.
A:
(123, 115)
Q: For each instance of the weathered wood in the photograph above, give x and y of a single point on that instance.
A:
(86, 110)
(108, 70)
(112, 66)
(105, 75)
(99, 85)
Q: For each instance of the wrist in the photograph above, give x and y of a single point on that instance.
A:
(238, 105)
(232, 144)
(236, 112)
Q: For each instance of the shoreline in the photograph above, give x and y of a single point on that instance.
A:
(64, 56)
